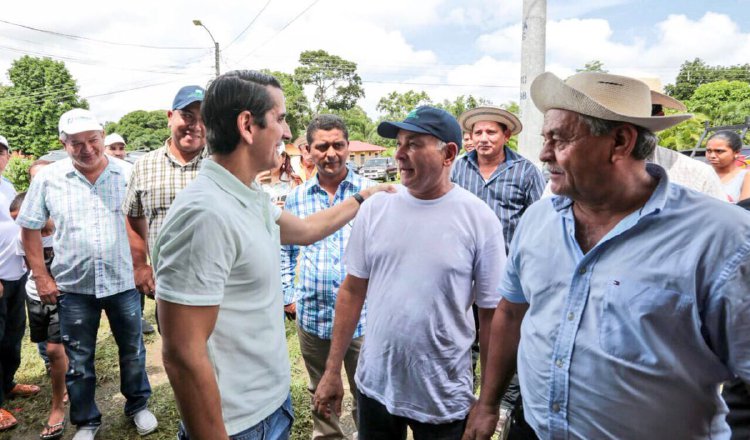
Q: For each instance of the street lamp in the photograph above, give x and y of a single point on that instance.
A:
(216, 45)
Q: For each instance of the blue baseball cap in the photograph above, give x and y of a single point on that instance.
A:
(427, 120)
(188, 95)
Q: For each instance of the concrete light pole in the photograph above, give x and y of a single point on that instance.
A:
(216, 45)
(533, 46)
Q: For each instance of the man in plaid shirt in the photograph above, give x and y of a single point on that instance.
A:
(313, 297)
(157, 178)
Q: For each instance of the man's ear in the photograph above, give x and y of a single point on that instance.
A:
(451, 151)
(624, 138)
(245, 126)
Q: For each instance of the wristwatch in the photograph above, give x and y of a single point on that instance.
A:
(358, 197)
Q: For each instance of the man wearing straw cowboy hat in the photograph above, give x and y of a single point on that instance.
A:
(623, 311)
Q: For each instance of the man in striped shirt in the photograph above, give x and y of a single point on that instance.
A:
(321, 264)
(157, 178)
(506, 181)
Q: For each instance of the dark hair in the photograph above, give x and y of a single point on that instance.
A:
(38, 163)
(730, 137)
(326, 122)
(15, 205)
(645, 141)
(229, 95)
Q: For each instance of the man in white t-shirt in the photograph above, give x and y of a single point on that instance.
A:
(415, 256)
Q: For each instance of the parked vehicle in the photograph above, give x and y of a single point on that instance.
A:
(353, 166)
(699, 152)
(379, 168)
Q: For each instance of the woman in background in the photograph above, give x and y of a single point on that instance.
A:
(722, 152)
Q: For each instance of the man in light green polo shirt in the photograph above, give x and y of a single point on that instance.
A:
(217, 263)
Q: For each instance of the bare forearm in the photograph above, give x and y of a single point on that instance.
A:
(485, 325)
(138, 238)
(505, 334)
(348, 310)
(32, 245)
(326, 222)
(196, 392)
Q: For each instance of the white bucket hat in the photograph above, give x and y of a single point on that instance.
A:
(601, 95)
(113, 138)
(77, 121)
(490, 113)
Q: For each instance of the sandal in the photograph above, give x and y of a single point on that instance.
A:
(53, 431)
(7, 420)
(23, 390)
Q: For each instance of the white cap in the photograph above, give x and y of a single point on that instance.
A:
(113, 138)
(78, 120)
(4, 141)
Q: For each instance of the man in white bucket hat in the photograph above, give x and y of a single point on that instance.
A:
(633, 311)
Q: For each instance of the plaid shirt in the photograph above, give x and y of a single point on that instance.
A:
(156, 179)
(321, 265)
(512, 187)
(92, 254)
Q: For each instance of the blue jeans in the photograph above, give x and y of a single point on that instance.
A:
(277, 426)
(79, 323)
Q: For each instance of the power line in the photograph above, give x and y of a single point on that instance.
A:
(113, 43)
(280, 30)
(248, 26)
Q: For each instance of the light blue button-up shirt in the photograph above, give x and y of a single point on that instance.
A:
(632, 339)
(92, 254)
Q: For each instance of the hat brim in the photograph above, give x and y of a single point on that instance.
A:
(389, 130)
(182, 105)
(666, 101)
(550, 92)
(508, 119)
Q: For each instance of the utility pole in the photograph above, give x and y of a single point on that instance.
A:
(533, 46)
(216, 46)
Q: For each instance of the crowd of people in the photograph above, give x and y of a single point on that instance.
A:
(607, 302)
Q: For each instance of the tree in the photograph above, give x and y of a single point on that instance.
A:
(593, 66)
(723, 102)
(142, 129)
(395, 106)
(41, 90)
(337, 86)
(462, 104)
(297, 106)
(695, 73)
(683, 136)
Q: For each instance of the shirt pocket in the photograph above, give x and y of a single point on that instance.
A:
(640, 322)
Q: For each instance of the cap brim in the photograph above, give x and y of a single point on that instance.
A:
(471, 117)
(182, 105)
(80, 128)
(667, 101)
(550, 92)
(389, 130)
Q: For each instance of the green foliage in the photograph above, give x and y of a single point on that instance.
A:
(41, 91)
(17, 172)
(593, 66)
(462, 104)
(142, 129)
(395, 106)
(297, 106)
(683, 136)
(695, 73)
(723, 102)
(337, 86)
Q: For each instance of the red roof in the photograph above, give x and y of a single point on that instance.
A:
(361, 147)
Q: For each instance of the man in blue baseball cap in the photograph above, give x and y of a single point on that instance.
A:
(415, 255)
(157, 178)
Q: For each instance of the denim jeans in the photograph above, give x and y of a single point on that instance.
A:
(376, 423)
(12, 327)
(79, 323)
(277, 426)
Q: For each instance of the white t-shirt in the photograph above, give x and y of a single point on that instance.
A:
(11, 264)
(421, 257)
(47, 242)
(219, 245)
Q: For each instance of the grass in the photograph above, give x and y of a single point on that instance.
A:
(32, 412)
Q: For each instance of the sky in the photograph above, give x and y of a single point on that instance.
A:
(135, 55)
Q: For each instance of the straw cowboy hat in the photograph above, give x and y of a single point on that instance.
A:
(490, 113)
(659, 98)
(603, 96)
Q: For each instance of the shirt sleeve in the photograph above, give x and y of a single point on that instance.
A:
(489, 265)
(132, 205)
(355, 256)
(289, 254)
(34, 212)
(194, 255)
